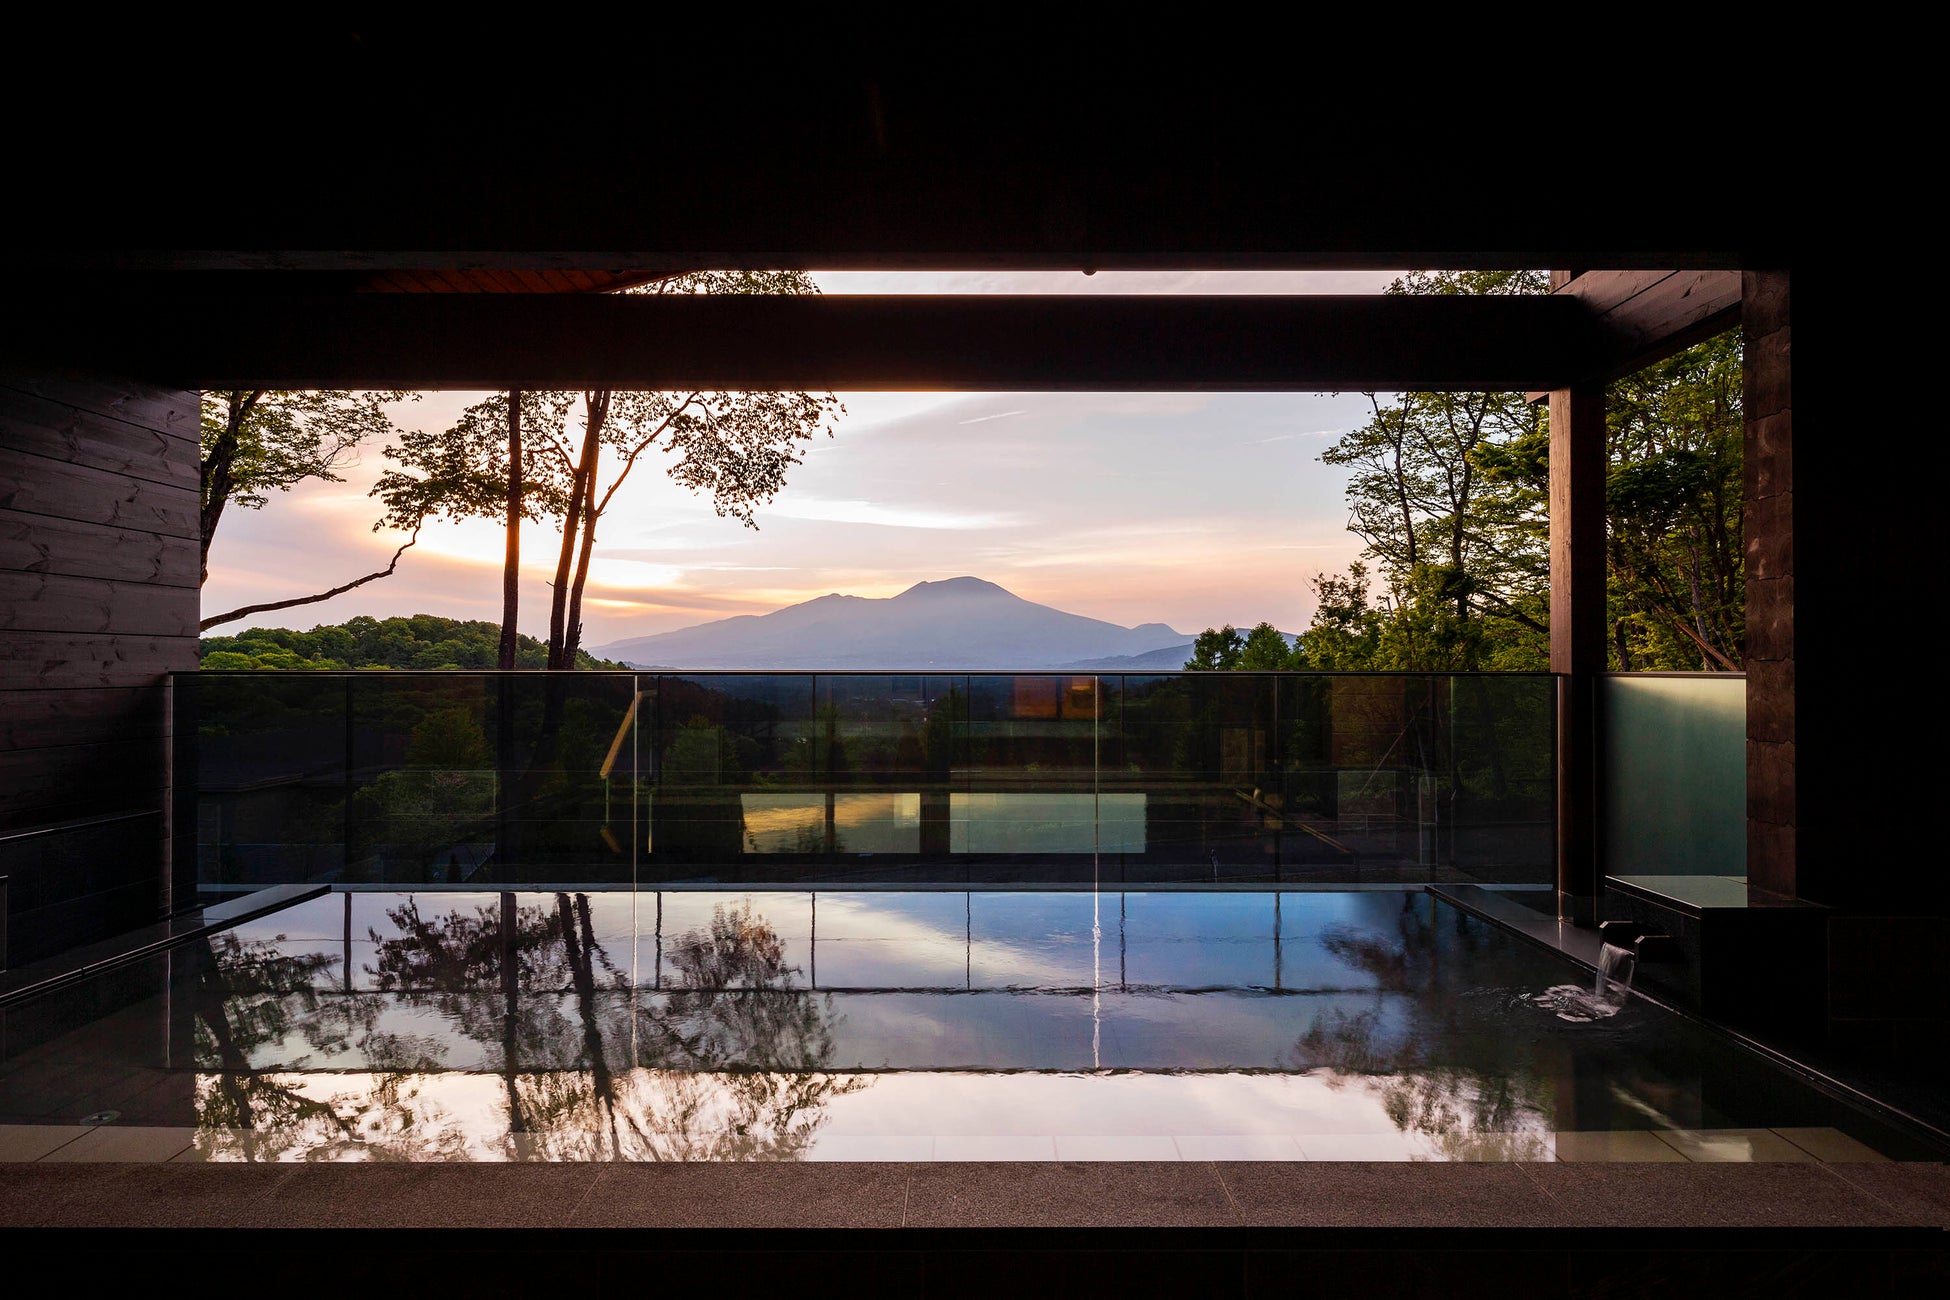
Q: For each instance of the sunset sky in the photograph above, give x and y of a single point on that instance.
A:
(1190, 509)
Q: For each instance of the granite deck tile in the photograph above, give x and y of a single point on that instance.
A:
(1706, 1195)
(1346, 1194)
(422, 1196)
(1068, 1194)
(761, 1195)
(166, 1196)
(1915, 1192)
(36, 1195)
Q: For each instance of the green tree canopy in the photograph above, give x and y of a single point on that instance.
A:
(421, 641)
(1448, 493)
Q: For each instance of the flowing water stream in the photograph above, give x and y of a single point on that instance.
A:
(1604, 999)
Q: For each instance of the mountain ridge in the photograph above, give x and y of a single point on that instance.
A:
(952, 623)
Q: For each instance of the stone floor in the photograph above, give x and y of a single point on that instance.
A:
(1180, 1229)
(976, 1194)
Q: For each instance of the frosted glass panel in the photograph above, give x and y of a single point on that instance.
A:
(1674, 763)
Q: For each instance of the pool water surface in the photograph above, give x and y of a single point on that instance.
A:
(938, 1025)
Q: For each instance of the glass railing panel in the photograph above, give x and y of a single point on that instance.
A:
(719, 741)
(489, 781)
(569, 749)
(1674, 765)
(1057, 940)
(1203, 749)
(422, 780)
(891, 732)
(1499, 797)
(1022, 802)
(266, 756)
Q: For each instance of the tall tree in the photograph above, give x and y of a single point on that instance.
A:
(484, 466)
(259, 440)
(1447, 537)
(1449, 494)
(736, 446)
(511, 556)
(1673, 497)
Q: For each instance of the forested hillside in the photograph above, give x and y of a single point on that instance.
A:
(420, 641)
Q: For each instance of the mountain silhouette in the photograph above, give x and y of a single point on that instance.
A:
(958, 623)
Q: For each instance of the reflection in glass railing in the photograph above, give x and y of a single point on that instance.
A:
(999, 822)
(594, 779)
(832, 823)
(747, 1025)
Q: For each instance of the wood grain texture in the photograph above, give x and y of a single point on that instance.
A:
(165, 410)
(47, 719)
(41, 659)
(39, 485)
(32, 543)
(52, 602)
(1647, 316)
(81, 437)
(45, 785)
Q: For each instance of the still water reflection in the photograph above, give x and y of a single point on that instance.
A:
(893, 1025)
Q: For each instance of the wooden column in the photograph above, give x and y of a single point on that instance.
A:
(1772, 820)
(1577, 528)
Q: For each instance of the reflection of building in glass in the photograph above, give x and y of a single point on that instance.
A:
(1046, 823)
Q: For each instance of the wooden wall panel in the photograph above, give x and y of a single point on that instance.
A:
(162, 409)
(30, 660)
(43, 486)
(98, 603)
(44, 719)
(53, 602)
(43, 544)
(80, 437)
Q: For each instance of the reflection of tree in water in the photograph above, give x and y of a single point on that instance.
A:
(729, 1062)
(743, 1055)
(1439, 1054)
(253, 1002)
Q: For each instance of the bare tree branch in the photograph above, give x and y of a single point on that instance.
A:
(386, 572)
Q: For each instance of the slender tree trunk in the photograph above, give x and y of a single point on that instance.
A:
(511, 564)
(573, 636)
(219, 479)
(585, 472)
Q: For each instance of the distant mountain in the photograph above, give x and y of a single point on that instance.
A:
(1170, 658)
(1167, 660)
(960, 623)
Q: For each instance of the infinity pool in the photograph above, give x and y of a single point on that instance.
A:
(787, 1025)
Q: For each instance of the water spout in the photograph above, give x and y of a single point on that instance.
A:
(1616, 965)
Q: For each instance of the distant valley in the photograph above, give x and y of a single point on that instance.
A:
(959, 623)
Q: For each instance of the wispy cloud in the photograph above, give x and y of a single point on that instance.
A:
(885, 516)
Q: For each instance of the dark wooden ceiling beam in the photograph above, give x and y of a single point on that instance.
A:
(1647, 316)
(1053, 343)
